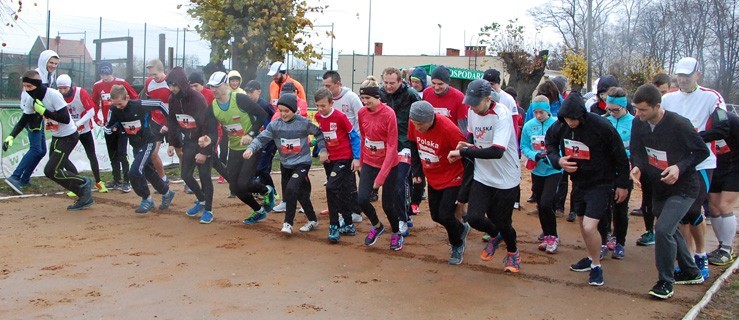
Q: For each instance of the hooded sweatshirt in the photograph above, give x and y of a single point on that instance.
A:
(188, 113)
(48, 79)
(421, 75)
(349, 104)
(605, 83)
(236, 74)
(594, 145)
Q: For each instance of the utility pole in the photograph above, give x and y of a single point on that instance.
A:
(589, 45)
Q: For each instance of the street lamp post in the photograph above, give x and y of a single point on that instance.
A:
(369, 32)
(439, 24)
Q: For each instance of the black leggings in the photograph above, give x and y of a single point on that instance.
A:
(442, 205)
(646, 203)
(59, 152)
(117, 144)
(265, 164)
(142, 170)
(619, 214)
(418, 189)
(296, 187)
(392, 202)
(240, 177)
(189, 150)
(561, 195)
(545, 189)
(341, 190)
(490, 210)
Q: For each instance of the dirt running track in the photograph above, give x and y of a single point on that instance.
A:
(108, 263)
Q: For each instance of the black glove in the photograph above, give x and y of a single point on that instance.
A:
(540, 156)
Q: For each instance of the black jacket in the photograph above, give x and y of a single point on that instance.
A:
(400, 101)
(607, 162)
(605, 83)
(187, 104)
(135, 119)
(675, 136)
(724, 126)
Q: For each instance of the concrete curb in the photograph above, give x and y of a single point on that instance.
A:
(696, 309)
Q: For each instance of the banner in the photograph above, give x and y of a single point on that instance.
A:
(10, 159)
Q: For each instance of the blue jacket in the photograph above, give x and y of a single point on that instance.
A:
(623, 127)
(533, 130)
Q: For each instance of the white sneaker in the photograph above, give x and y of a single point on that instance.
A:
(403, 228)
(287, 228)
(301, 210)
(310, 225)
(356, 218)
(280, 207)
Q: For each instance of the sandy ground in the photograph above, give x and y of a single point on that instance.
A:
(109, 263)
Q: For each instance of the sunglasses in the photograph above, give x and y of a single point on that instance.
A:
(613, 110)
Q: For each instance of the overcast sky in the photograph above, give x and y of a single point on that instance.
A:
(405, 27)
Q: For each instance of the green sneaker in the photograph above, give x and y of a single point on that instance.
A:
(256, 216)
(646, 239)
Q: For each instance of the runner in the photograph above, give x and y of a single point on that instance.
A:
(544, 178)
(666, 149)
(434, 135)
(446, 99)
(188, 117)
(116, 142)
(697, 104)
(240, 118)
(594, 157)
(264, 168)
(291, 131)
(495, 184)
(342, 144)
(132, 117)
(621, 120)
(234, 81)
(33, 124)
(278, 72)
(155, 87)
(81, 109)
(379, 158)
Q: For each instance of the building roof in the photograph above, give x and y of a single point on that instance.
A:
(68, 50)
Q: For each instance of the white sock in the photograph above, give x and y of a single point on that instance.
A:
(717, 226)
(593, 266)
(729, 229)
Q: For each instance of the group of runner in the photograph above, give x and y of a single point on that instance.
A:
(399, 134)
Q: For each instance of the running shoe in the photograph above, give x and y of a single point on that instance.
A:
(256, 216)
(582, 265)
(684, 277)
(603, 251)
(81, 204)
(14, 184)
(489, 251)
(356, 218)
(722, 258)
(287, 228)
(115, 185)
(637, 212)
(702, 263)
(552, 245)
(221, 180)
(309, 226)
(280, 207)
(486, 238)
(396, 241)
(199, 206)
(611, 244)
(100, 185)
(348, 230)
(71, 194)
(596, 277)
(531, 199)
(207, 217)
(166, 200)
(456, 255)
(145, 206)
(543, 244)
(541, 237)
(571, 217)
(374, 233)
(403, 227)
(324, 212)
(126, 187)
(410, 222)
(662, 290)
(333, 233)
(714, 252)
(512, 262)
(619, 252)
(646, 239)
(269, 199)
(414, 209)
(517, 205)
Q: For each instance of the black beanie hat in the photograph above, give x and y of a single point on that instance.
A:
(441, 73)
(288, 100)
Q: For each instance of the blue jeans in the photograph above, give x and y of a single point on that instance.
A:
(36, 152)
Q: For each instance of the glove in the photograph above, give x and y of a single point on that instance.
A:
(540, 156)
(39, 107)
(8, 143)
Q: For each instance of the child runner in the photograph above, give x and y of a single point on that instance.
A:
(379, 158)
(544, 178)
(666, 149)
(434, 135)
(290, 132)
(343, 144)
(241, 119)
(133, 117)
(492, 144)
(188, 116)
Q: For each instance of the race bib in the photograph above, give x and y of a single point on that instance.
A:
(105, 99)
(290, 146)
(375, 148)
(331, 138)
(234, 130)
(722, 147)
(404, 156)
(132, 127)
(657, 158)
(51, 125)
(428, 160)
(442, 111)
(537, 143)
(186, 121)
(577, 150)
